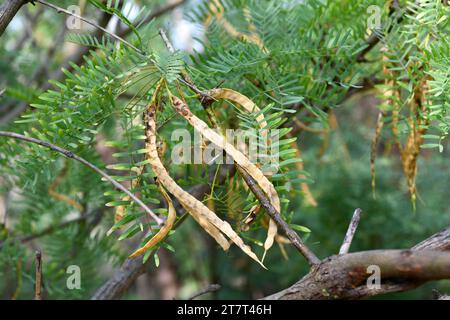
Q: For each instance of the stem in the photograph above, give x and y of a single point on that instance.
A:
(7, 12)
(254, 187)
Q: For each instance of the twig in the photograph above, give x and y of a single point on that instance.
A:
(350, 232)
(166, 40)
(92, 23)
(371, 42)
(208, 289)
(71, 155)
(77, 57)
(301, 126)
(296, 241)
(333, 279)
(38, 283)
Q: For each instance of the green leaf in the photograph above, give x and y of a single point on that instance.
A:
(300, 228)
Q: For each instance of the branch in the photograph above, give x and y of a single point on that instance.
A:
(95, 214)
(131, 269)
(92, 23)
(7, 12)
(77, 57)
(86, 163)
(254, 187)
(374, 37)
(275, 215)
(345, 276)
(350, 232)
(185, 77)
(371, 42)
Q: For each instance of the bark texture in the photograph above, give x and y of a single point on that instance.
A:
(345, 276)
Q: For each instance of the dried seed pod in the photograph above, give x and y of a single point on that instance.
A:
(165, 229)
(193, 206)
(251, 107)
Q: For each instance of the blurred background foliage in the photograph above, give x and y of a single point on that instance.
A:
(303, 70)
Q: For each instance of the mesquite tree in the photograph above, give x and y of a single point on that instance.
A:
(176, 130)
